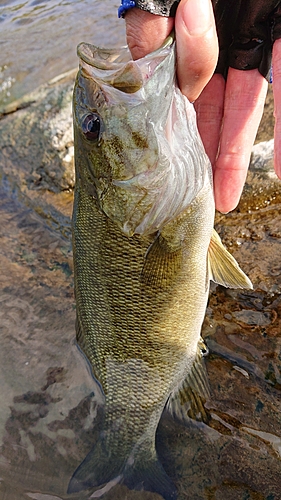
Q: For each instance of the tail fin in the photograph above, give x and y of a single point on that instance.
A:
(100, 470)
(149, 475)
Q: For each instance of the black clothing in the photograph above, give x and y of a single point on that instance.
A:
(246, 30)
(165, 8)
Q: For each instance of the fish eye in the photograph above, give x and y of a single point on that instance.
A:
(91, 126)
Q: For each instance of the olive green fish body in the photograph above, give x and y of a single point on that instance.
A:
(142, 224)
(125, 317)
(137, 333)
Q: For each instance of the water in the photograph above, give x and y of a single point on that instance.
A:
(38, 39)
(49, 402)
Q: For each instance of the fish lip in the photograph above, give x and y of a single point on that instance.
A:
(110, 59)
(103, 58)
(115, 68)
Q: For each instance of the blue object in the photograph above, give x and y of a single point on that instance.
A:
(125, 5)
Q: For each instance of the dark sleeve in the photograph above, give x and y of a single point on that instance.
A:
(246, 30)
(165, 8)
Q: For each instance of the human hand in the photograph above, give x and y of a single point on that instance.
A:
(197, 46)
(228, 113)
(228, 117)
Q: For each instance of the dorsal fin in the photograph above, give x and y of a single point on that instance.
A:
(223, 268)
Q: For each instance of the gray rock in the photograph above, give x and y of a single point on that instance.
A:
(36, 138)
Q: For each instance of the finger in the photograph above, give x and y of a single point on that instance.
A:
(146, 32)
(197, 46)
(276, 67)
(243, 107)
(209, 112)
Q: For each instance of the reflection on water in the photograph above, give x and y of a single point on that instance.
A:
(39, 38)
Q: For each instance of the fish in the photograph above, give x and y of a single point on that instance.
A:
(144, 249)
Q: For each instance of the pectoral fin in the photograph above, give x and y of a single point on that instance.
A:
(188, 401)
(161, 266)
(223, 268)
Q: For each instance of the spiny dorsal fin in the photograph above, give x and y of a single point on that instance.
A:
(188, 401)
(223, 268)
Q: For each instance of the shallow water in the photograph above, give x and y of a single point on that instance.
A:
(49, 402)
(38, 39)
(49, 410)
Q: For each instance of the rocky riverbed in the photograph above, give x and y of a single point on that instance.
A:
(48, 401)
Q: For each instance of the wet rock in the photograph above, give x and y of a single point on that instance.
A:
(266, 128)
(262, 187)
(252, 317)
(262, 157)
(36, 134)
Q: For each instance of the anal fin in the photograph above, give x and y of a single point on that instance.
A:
(188, 401)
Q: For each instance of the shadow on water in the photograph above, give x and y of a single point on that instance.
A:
(49, 403)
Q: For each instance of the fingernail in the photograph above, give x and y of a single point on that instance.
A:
(198, 16)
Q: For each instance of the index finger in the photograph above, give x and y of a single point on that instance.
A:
(243, 107)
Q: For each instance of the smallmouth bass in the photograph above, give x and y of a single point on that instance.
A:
(144, 252)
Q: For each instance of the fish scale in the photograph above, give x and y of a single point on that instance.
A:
(141, 273)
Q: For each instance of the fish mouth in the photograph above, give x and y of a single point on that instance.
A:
(102, 58)
(110, 59)
(115, 67)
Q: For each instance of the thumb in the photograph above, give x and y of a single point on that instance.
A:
(146, 32)
(197, 46)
